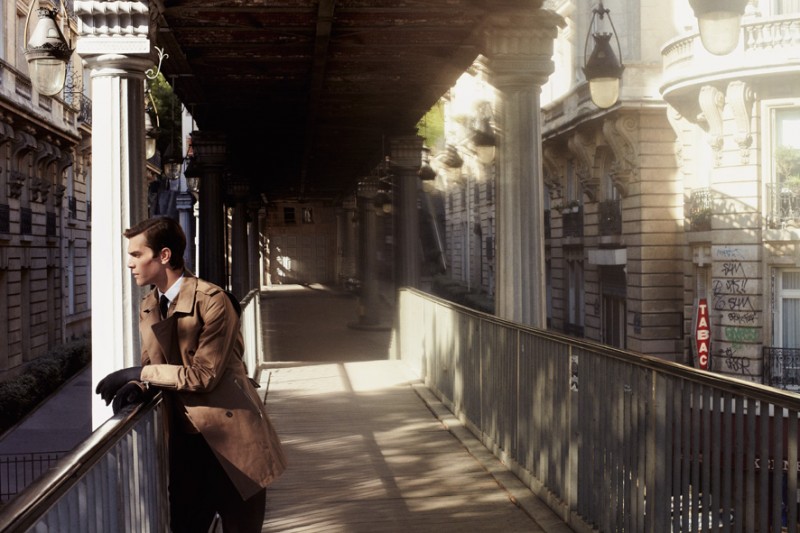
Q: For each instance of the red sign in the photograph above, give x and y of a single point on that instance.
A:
(702, 334)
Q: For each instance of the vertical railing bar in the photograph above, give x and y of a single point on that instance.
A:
(640, 422)
(675, 393)
(696, 410)
(727, 461)
(749, 463)
(777, 468)
(763, 465)
(740, 513)
(604, 438)
(629, 443)
(791, 483)
(686, 455)
(716, 462)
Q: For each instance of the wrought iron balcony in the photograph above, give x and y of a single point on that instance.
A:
(573, 222)
(783, 204)
(610, 217)
(699, 210)
(782, 367)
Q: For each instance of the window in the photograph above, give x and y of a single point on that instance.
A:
(785, 7)
(288, 215)
(575, 298)
(787, 334)
(308, 215)
(783, 159)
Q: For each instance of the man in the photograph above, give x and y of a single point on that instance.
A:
(223, 448)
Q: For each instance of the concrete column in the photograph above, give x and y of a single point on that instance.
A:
(210, 157)
(253, 238)
(406, 158)
(117, 63)
(369, 301)
(238, 189)
(185, 205)
(519, 45)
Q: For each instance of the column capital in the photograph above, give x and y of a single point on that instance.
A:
(114, 36)
(210, 148)
(519, 44)
(406, 152)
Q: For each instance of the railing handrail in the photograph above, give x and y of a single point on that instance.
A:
(725, 383)
(22, 511)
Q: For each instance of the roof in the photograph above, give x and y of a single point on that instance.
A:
(308, 92)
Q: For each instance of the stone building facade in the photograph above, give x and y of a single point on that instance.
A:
(45, 209)
(684, 195)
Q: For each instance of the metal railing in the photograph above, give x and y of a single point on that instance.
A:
(19, 470)
(783, 367)
(699, 210)
(609, 214)
(116, 480)
(783, 204)
(251, 332)
(611, 440)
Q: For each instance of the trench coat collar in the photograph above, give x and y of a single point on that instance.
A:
(183, 303)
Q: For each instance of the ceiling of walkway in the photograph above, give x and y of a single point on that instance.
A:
(308, 92)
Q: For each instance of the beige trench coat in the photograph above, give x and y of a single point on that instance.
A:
(195, 355)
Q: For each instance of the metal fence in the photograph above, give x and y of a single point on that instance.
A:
(611, 440)
(18, 470)
(251, 332)
(116, 480)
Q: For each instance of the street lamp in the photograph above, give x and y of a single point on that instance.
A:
(47, 52)
(602, 69)
(485, 142)
(719, 23)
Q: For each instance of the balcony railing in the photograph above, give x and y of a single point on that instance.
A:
(611, 440)
(573, 222)
(116, 480)
(610, 217)
(782, 367)
(783, 204)
(699, 210)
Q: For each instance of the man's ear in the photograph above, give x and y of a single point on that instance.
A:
(164, 256)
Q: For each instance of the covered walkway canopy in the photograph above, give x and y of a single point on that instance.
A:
(308, 91)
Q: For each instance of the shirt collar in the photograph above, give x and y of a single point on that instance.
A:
(173, 291)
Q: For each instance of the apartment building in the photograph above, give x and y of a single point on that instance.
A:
(45, 208)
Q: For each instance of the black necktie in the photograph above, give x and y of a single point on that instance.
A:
(163, 304)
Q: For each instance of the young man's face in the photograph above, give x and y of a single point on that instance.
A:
(147, 267)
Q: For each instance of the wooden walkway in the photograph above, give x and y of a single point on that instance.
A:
(369, 452)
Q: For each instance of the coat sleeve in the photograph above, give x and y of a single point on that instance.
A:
(217, 339)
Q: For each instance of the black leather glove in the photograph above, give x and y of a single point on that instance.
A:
(109, 385)
(130, 393)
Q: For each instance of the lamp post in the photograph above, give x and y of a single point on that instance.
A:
(602, 69)
(719, 23)
(47, 53)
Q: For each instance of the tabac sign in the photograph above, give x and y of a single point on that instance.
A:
(702, 335)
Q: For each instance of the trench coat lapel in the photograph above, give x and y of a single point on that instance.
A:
(166, 330)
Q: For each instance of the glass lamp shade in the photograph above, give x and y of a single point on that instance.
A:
(485, 153)
(149, 146)
(719, 22)
(603, 71)
(172, 169)
(47, 53)
(604, 91)
(47, 75)
(719, 31)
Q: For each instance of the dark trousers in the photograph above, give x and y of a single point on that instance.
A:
(199, 488)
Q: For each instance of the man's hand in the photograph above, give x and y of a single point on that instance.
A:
(109, 385)
(129, 394)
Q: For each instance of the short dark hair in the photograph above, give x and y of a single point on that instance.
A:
(160, 233)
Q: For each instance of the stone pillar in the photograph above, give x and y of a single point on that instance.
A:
(253, 240)
(117, 63)
(406, 157)
(185, 204)
(519, 45)
(368, 301)
(210, 155)
(238, 189)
